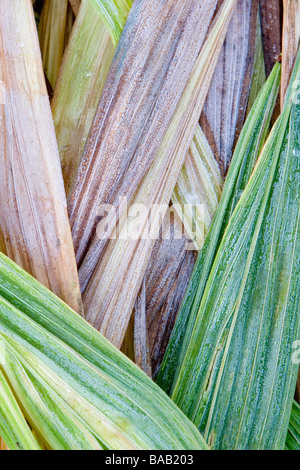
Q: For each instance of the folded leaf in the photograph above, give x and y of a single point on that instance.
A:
(195, 200)
(140, 337)
(57, 422)
(128, 130)
(198, 189)
(75, 4)
(3, 446)
(259, 69)
(270, 11)
(290, 43)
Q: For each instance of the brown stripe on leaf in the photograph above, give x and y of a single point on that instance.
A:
(141, 338)
(3, 446)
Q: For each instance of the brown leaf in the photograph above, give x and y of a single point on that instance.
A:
(33, 211)
(75, 4)
(225, 107)
(3, 446)
(167, 276)
(141, 339)
(110, 295)
(2, 243)
(147, 77)
(52, 29)
(290, 42)
(271, 20)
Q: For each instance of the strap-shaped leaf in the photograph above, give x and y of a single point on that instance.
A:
(113, 14)
(290, 41)
(226, 103)
(13, 426)
(293, 436)
(84, 69)
(33, 212)
(243, 161)
(238, 378)
(52, 30)
(116, 401)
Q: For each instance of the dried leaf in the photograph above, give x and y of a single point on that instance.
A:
(141, 339)
(33, 215)
(125, 259)
(75, 4)
(69, 26)
(167, 276)
(84, 69)
(128, 127)
(114, 14)
(13, 426)
(3, 446)
(198, 189)
(270, 11)
(290, 42)
(52, 27)
(226, 103)
(259, 69)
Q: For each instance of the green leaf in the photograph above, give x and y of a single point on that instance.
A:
(198, 189)
(293, 436)
(114, 14)
(259, 70)
(60, 427)
(247, 150)
(84, 69)
(13, 427)
(57, 349)
(238, 379)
